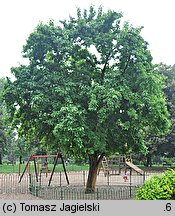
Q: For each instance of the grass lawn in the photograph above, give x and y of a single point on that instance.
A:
(155, 168)
(71, 167)
(4, 169)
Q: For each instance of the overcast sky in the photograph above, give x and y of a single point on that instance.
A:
(18, 18)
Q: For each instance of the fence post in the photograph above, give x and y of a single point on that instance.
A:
(143, 177)
(30, 183)
(97, 193)
(130, 184)
(61, 194)
(36, 190)
(40, 180)
(108, 178)
(84, 181)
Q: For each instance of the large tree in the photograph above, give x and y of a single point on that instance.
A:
(89, 87)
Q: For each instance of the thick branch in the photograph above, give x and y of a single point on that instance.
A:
(104, 68)
(100, 159)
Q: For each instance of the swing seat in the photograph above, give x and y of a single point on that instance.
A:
(44, 168)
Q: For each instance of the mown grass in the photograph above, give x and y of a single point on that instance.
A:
(71, 167)
(4, 169)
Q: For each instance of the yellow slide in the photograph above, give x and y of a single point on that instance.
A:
(134, 167)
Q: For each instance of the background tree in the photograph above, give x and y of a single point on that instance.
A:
(89, 88)
(7, 137)
(21, 148)
(3, 126)
(3, 138)
(164, 145)
(167, 145)
(11, 146)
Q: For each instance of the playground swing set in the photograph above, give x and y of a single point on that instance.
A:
(44, 166)
(111, 166)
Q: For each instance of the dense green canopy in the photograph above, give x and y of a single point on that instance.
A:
(90, 86)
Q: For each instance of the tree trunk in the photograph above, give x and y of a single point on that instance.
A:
(149, 161)
(94, 163)
(0, 158)
(20, 159)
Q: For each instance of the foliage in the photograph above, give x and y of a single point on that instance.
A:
(3, 137)
(168, 160)
(89, 87)
(164, 145)
(158, 187)
(67, 95)
(2, 110)
(167, 145)
(10, 145)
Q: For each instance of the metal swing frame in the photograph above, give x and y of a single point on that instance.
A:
(34, 157)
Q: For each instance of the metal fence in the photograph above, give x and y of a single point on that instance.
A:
(9, 183)
(80, 178)
(78, 193)
(109, 187)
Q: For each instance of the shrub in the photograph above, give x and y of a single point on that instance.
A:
(158, 187)
(167, 160)
(5, 161)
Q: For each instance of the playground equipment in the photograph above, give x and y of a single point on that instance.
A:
(45, 166)
(114, 164)
(134, 167)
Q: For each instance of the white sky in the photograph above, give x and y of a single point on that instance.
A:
(18, 18)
